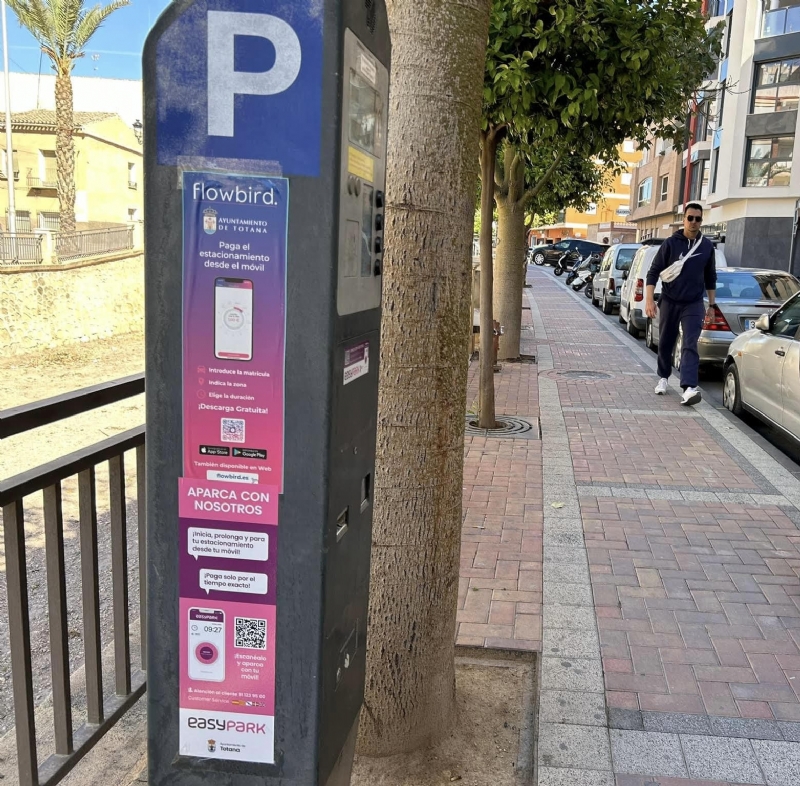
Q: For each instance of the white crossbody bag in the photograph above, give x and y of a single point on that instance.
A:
(676, 268)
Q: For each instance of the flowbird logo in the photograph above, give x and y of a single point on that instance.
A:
(209, 221)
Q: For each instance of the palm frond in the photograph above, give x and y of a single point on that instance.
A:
(36, 17)
(91, 20)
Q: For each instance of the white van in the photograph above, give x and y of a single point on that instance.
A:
(631, 301)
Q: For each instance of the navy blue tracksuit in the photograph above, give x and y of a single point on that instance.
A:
(682, 303)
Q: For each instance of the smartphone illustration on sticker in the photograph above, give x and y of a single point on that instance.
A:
(233, 319)
(206, 644)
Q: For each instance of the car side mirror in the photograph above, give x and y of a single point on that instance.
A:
(763, 323)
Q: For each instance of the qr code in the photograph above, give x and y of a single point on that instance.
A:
(232, 430)
(250, 634)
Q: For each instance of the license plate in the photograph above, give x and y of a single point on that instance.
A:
(750, 324)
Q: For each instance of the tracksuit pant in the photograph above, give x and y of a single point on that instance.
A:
(672, 317)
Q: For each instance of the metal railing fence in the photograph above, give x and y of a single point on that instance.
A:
(102, 711)
(20, 248)
(93, 242)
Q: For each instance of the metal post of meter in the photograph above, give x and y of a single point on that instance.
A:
(265, 150)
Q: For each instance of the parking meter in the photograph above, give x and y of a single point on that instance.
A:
(265, 153)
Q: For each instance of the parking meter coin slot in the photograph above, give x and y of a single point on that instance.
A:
(379, 200)
(347, 655)
(366, 491)
(379, 222)
(342, 524)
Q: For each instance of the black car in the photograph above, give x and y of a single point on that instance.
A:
(549, 254)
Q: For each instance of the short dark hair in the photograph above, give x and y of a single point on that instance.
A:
(694, 206)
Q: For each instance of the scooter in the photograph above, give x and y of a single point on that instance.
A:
(586, 272)
(573, 273)
(565, 262)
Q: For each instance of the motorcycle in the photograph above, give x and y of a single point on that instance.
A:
(586, 273)
(566, 261)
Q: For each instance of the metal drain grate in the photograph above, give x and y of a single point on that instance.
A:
(508, 427)
(585, 375)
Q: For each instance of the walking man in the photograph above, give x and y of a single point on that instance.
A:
(686, 265)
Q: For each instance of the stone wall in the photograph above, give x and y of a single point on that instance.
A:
(56, 306)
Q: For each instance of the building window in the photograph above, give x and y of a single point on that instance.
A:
(133, 214)
(132, 181)
(714, 170)
(769, 162)
(591, 210)
(698, 190)
(47, 167)
(645, 192)
(23, 220)
(777, 87)
(626, 178)
(663, 188)
(628, 146)
(49, 221)
(782, 17)
(623, 211)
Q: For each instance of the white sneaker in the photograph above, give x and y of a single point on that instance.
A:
(691, 396)
(661, 387)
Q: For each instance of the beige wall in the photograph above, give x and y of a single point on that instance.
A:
(103, 151)
(50, 308)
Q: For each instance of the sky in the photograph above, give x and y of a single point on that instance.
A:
(114, 51)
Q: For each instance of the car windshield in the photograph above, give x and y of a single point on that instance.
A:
(740, 285)
(625, 257)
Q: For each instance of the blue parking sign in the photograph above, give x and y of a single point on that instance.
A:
(241, 80)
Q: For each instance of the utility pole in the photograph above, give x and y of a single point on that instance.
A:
(12, 213)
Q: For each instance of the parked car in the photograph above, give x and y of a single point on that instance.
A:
(743, 294)
(762, 369)
(631, 301)
(608, 281)
(549, 254)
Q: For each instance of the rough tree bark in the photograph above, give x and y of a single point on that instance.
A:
(513, 200)
(507, 297)
(438, 51)
(65, 152)
(486, 417)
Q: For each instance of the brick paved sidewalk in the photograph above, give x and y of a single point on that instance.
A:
(653, 557)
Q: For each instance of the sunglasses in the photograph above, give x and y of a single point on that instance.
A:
(693, 219)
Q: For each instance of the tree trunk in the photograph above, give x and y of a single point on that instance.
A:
(486, 418)
(438, 51)
(65, 151)
(509, 280)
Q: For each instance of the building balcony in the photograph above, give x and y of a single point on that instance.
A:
(781, 21)
(47, 179)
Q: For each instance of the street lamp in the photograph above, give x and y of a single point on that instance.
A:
(137, 129)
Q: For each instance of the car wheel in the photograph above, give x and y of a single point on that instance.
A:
(589, 292)
(649, 339)
(731, 390)
(607, 307)
(538, 258)
(621, 318)
(632, 329)
(677, 352)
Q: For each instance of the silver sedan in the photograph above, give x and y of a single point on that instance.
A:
(762, 370)
(743, 294)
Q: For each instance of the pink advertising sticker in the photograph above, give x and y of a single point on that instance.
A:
(234, 283)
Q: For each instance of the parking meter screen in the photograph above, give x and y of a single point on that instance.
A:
(366, 111)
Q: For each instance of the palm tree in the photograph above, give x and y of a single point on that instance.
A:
(63, 29)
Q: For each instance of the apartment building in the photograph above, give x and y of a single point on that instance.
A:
(607, 218)
(108, 171)
(743, 160)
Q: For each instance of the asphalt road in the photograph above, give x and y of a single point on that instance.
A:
(781, 447)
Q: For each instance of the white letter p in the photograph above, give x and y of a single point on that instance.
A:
(224, 82)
